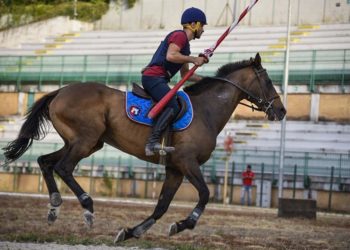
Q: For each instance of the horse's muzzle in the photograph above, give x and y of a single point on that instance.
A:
(276, 114)
(281, 113)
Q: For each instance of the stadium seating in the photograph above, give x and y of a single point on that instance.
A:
(319, 54)
(313, 147)
(244, 39)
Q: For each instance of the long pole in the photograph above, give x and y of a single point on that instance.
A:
(232, 180)
(294, 180)
(262, 184)
(224, 200)
(285, 90)
(330, 190)
(208, 52)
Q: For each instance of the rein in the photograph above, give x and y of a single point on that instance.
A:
(266, 104)
(250, 94)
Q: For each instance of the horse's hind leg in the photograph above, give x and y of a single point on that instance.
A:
(46, 163)
(195, 177)
(171, 184)
(64, 168)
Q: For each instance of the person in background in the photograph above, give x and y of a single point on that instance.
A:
(247, 180)
(172, 55)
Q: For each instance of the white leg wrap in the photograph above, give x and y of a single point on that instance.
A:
(52, 214)
(88, 218)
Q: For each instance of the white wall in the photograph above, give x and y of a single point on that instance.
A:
(38, 31)
(155, 14)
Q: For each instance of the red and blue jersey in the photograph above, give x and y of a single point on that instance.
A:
(159, 66)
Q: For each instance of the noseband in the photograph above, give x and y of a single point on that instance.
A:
(264, 104)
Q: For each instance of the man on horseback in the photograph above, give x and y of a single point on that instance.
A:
(172, 55)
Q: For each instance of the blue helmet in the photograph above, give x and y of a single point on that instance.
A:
(193, 15)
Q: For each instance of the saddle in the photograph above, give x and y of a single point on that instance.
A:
(139, 103)
(141, 92)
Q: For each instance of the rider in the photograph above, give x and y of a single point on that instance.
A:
(172, 55)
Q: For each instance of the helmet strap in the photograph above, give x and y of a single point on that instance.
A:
(193, 29)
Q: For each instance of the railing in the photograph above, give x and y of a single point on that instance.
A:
(311, 68)
(316, 164)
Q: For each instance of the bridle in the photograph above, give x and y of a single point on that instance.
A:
(264, 104)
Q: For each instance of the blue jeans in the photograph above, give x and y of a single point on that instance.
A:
(157, 88)
(246, 190)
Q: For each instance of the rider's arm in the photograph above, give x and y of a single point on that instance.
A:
(174, 55)
(194, 78)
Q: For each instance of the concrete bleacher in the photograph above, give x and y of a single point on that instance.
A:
(304, 136)
(300, 136)
(243, 39)
(314, 147)
(118, 57)
(319, 53)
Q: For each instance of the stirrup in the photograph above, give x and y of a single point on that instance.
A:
(163, 150)
(150, 149)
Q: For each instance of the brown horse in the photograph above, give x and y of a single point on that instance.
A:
(88, 115)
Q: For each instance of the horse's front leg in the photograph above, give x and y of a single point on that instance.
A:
(171, 184)
(195, 177)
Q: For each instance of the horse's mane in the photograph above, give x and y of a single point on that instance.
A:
(223, 71)
(231, 67)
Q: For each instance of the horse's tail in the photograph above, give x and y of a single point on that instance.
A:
(34, 127)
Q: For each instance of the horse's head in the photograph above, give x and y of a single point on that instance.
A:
(253, 82)
(262, 93)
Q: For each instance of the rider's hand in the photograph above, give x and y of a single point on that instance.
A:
(205, 56)
(199, 61)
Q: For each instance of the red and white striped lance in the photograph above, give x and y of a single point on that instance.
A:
(208, 53)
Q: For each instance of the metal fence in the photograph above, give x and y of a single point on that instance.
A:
(311, 68)
(304, 173)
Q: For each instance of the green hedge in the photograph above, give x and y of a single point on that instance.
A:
(19, 12)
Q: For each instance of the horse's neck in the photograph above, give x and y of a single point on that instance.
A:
(219, 104)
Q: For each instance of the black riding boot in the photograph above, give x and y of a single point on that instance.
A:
(162, 122)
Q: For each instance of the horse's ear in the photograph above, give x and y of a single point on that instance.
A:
(257, 59)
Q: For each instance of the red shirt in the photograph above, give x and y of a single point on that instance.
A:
(248, 177)
(180, 39)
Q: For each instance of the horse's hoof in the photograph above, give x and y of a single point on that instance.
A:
(52, 214)
(172, 229)
(51, 217)
(89, 218)
(120, 236)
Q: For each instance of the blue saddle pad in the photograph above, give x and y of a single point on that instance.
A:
(137, 109)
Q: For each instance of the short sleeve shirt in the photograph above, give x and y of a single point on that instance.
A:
(248, 177)
(177, 37)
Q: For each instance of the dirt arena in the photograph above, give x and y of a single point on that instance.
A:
(23, 219)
